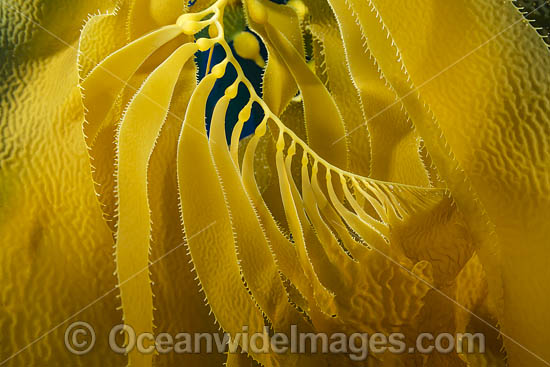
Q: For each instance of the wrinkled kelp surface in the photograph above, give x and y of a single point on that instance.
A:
(397, 177)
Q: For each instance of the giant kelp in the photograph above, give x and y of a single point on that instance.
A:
(403, 169)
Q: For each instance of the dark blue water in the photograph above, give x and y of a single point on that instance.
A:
(254, 74)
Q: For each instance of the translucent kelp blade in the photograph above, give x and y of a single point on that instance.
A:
(278, 85)
(334, 252)
(478, 63)
(255, 258)
(178, 304)
(369, 284)
(364, 228)
(103, 85)
(324, 124)
(293, 212)
(326, 272)
(272, 192)
(394, 144)
(333, 63)
(380, 227)
(56, 249)
(371, 278)
(210, 233)
(394, 203)
(293, 118)
(357, 250)
(146, 16)
(283, 250)
(472, 293)
(363, 195)
(380, 45)
(106, 91)
(105, 27)
(314, 308)
(292, 197)
(137, 136)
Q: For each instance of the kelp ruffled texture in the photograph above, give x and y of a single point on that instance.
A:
(406, 183)
(56, 248)
(490, 147)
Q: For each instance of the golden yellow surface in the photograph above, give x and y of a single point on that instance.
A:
(397, 182)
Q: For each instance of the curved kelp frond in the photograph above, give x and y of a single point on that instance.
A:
(356, 205)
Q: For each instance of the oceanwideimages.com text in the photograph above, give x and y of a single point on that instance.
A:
(80, 339)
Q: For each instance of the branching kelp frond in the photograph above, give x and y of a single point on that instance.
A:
(346, 167)
(344, 242)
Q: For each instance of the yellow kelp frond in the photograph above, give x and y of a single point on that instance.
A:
(499, 150)
(332, 172)
(319, 106)
(342, 232)
(55, 247)
(341, 85)
(108, 84)
(278, 84)
(135, 145)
